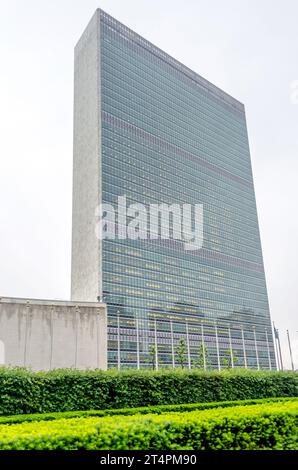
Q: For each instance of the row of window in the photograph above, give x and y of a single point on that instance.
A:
(118, 135)
(181, 295)
(150, 170)
(162, 301)
(172, 87)
(212, 226)
(121, 129)
(215, 217)
(193, 108)
(173, 262)
(181, 278)
(167, 332)
(125, 38)
(137, 143)
(129, 172)
(153, 248)
(174, 124)
(177, 138)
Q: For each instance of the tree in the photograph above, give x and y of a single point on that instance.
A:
(181, 351)
(194, 363)
(203, 359)
(227, 360)
(152, 356)
(203, 356)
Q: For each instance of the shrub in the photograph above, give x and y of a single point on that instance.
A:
(158, 409)
(265, 426)
(23, 391)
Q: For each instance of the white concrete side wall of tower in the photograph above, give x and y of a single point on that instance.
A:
(86, 248)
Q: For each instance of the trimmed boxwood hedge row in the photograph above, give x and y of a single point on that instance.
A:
(158, 409)
(23, 391)
(266, 426)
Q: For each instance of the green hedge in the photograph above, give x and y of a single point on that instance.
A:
(266, 426)
(158, 409)
(23, 391)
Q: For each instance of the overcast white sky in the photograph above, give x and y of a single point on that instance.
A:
(249, 48)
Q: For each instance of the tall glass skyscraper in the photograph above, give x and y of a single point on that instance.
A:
(149, 128)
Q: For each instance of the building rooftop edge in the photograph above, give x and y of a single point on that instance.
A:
(20, 300)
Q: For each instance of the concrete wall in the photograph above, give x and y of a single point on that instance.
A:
(46, 335)
(86, 257)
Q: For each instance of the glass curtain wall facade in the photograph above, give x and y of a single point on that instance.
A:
(170, 136)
